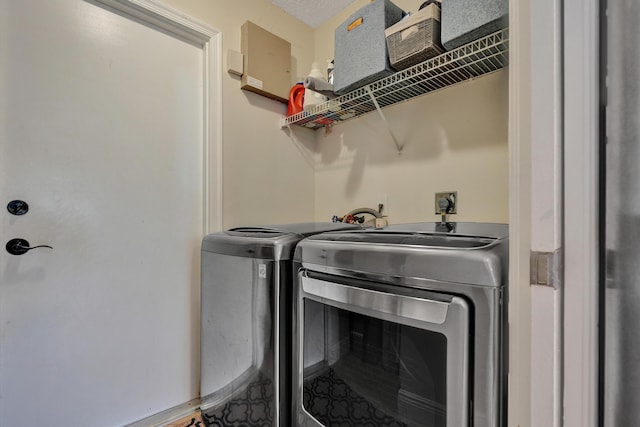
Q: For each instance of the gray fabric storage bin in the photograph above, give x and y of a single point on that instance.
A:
(464, 21)
(361, 53)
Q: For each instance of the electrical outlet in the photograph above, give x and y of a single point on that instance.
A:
(382, 199)
(451, 197)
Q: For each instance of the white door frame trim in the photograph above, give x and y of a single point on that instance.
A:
(210, 40)
(546, 212)
(519, 315)
(581, 140)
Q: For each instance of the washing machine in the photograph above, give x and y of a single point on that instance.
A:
(401, 326)
(246, 282)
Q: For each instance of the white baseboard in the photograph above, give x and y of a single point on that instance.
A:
(172, 414)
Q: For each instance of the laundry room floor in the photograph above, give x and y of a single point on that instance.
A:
(192, 420)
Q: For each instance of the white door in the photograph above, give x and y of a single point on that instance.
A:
(101, 133)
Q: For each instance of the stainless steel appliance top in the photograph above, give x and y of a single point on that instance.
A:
(465, 253)
(274, 242)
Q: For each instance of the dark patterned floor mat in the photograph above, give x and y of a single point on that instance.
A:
(252, 408)
(332, 402)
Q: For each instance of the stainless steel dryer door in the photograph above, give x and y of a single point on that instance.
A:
(372, 357)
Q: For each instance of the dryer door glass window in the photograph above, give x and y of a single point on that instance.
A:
(363, 366)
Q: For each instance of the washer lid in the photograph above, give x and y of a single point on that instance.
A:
(275, 242)
(471, 229)
(427, 234)
(429, 240)
(475, 254)
(302, 229)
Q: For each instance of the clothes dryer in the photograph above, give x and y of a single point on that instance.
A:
(401, 326)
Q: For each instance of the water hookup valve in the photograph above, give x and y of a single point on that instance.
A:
(446, 204)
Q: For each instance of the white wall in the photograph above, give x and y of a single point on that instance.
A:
(268, 174)
(454, 139)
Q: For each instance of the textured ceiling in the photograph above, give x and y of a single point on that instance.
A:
(312, 12)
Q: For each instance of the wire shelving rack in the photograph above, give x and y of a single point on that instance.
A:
(475, 59)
